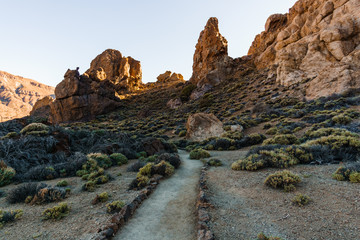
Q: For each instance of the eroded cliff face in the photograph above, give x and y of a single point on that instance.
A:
(124, 72)
(18, 95)
(315, 46)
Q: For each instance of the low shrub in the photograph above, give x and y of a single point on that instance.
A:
(62, 183)
(323, 132)
(171, 158)
(282, 179)
(102, 160)
(199, 154)
(115, 206)
(56, 212)
(47, 195)
(163, 168)
(21, 192)
(301, 200)
(272, 131)
(186, 92)
(35, 129)
(102, 197)
(9, 216)
(350, 172)
(283, 139)
(6, 174)
(119, 158)
(135, 167)
(342, 119)
(337, 142)
(182, 133)
(214, 162)
(262, 236)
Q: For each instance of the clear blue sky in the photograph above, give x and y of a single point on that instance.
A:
(41, 39)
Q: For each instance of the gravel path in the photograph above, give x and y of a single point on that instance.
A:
(169, 213)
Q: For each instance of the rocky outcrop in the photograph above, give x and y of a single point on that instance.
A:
(316, 45)
(124, 72)
(174, 103)
(211, 61)
(42, 107)
(18, 95)
(201, 126)
(169, 76)
(81, 98)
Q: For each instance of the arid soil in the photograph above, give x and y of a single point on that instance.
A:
(244, 206)
(169, 213)
(84, 218)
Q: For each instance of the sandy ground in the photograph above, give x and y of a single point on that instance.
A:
(84, 218)
(244, 206)
(169, 213)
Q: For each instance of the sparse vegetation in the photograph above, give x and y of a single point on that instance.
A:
(115, 206)
(57, 212)
(6, 174)
(9, 216)
(262, 236)
(301, 200)
(119, 158)
(283, 179)
(199, 154)
(102, 197)
(214, 162)
(350, 172)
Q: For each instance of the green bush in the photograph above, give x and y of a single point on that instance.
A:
(324, 132)
(6, 174)
(342, 119)
(35, 129)
(283, 179)
(272, 131)
(199, 154)
(283, 139)
(301, 200)
(119, 158)
(182, 133)
(9, 216)
(62, 183)
(102, 197)
(262, 236)
(9, 135)
(56, 212)
(102, 160)
(348, 173)
(186, 92)
(115, 206)
(337, 142)
(214, 162)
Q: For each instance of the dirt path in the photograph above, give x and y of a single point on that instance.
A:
(169, 212)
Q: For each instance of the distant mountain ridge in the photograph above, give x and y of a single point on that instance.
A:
(18, 95)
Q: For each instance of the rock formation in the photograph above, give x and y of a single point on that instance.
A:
(201, 126)
(211, 61)
(80, 98)
(124, 72)
(168, 76)
(316, 45)
(42, 107)
(18, 95)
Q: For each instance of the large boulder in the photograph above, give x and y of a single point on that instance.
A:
(80, 98)
(316, 45)
(201, 126)
(124, 72)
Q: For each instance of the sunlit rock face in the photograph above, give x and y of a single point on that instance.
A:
(317, 44)
(124, 72)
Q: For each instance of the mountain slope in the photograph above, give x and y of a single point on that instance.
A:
(18, 95)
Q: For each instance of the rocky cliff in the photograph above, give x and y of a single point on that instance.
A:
(315, 46)
(124, 72)
(18, 95)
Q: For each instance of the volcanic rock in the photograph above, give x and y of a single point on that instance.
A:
(174, 103)
(168, 76)
(317, 44)
(80, 98)
(201, 126)
(124, 72)
(42, 107)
